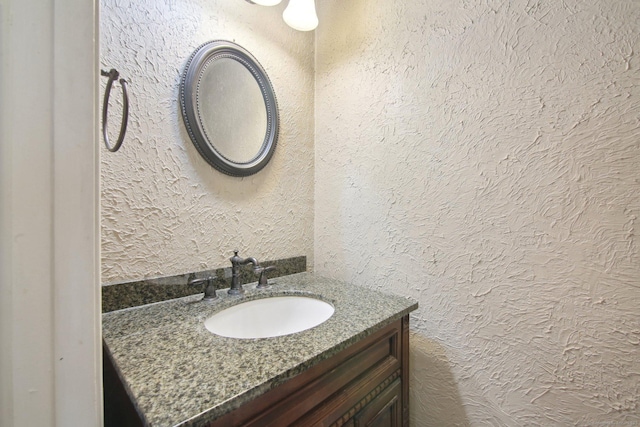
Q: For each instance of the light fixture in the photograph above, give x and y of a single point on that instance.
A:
(265, 2)
(301, 15)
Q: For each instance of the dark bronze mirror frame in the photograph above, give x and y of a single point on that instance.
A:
(189, 88)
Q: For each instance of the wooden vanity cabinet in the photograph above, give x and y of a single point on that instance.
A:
(367, 384)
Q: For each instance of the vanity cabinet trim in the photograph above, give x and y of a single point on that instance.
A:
(405, 371)
(366, 400)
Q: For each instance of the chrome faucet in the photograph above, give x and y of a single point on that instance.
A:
(236, 262)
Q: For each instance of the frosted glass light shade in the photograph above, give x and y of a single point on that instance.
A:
(301, 15)
(266, 2)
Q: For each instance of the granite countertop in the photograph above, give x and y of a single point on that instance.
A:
(180, 374)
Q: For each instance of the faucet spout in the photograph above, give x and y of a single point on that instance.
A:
(250, 260)
(236, 262)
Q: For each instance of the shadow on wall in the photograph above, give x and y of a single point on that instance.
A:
(433, 397)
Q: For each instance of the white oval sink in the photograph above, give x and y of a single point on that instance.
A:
(269, 317)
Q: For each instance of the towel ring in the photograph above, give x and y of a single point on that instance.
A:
(113, 75)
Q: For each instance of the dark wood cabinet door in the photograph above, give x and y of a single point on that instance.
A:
(383, 411)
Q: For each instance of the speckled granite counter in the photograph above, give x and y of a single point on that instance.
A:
(180, 374)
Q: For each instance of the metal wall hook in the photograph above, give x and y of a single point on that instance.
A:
(113, 75)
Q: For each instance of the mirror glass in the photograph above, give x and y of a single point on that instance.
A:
(229, 108)
(228, 94)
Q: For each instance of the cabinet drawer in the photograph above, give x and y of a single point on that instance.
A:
(359, 402)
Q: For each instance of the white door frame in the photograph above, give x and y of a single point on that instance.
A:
(50, 334)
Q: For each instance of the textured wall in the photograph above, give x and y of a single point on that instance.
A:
(165, 211)
(483, 157)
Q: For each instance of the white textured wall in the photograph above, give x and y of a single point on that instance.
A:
(483, 157)
(165, 211)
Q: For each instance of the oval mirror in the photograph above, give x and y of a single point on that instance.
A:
(229, 108)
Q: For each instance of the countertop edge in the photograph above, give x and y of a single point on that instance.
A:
(124, 383)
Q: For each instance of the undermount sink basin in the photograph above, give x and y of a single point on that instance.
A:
(269, 317)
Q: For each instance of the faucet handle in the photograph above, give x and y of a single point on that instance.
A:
(196, 282)
(209, 289)
(262, 281)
